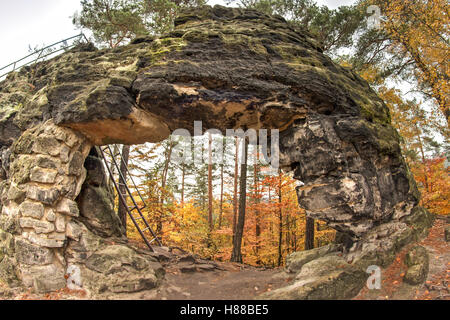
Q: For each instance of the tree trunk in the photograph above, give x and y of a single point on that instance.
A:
(122, 209)
(280, 221)
(221, 196)
(256, 201)
(110, 183)
(295, 236)
(236, 255)
(425, 173)
(210, 191)
(183, 170)
(309, 234)
(159, 223)
(288, 234)
(236, 174)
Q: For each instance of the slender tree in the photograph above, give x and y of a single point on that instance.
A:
(183, 175)
(235, 190)
(280, 218)
(309, 234)
(236, 255)
(210, 186)
(256, 201)
(168, 154)
(115, 151)
(122, 210)
(222, 165)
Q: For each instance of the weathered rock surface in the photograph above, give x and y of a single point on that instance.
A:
(230, 68)
(38, 201)
(296, 260)
(97, 212)
(417, 261)
(95, 202)
(112, 267)
(328, 277)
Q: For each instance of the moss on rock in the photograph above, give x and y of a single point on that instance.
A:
(420, 220)
(224, 44)
(417, 261)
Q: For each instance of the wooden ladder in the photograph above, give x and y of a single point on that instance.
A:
(122, 197)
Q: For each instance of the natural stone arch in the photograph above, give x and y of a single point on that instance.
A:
(229, 68)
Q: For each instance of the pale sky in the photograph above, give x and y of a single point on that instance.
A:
(39, 22)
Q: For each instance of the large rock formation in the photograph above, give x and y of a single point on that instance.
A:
(229, 68)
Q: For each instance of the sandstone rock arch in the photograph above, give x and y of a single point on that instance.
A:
(229, 68)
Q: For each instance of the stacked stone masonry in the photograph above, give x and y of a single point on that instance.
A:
(46, 176)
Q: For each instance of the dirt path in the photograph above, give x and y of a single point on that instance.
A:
(230, 282)
(437, 284)
(233, 281)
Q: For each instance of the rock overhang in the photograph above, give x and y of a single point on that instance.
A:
(228, 67)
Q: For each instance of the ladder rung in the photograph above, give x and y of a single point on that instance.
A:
(119, 185)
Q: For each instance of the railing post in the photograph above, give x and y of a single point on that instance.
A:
(85, 38)
(42, 50)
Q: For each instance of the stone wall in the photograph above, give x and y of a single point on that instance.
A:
(58, 226)
(46, 174)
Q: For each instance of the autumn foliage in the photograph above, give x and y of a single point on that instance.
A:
(269, 218)
(434, 183)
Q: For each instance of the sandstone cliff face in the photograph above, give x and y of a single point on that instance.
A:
(229, 68)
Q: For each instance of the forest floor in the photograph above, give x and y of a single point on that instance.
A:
(437, 284)
(230, 282)
(189, 277)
